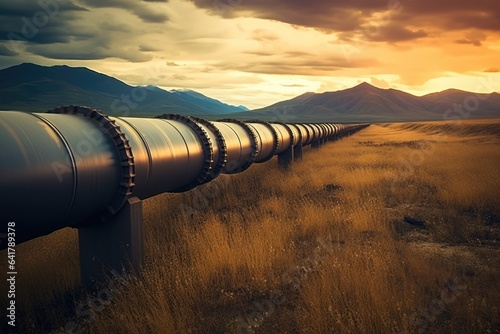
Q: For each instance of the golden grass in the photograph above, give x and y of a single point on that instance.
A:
(322, 248)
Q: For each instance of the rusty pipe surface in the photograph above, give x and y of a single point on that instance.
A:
(74, 164)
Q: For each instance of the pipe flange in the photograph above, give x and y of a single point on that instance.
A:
(121, 143)
(323, 129)
(275, 135)
(299, 139)
(253, 140)
(290, 132)
(206, 144)
(221, 144)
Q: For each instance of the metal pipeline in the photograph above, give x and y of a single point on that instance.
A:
(74, 164)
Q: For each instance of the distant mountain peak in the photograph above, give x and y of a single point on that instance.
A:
(27, 65)
(152, 88)
(365, 86)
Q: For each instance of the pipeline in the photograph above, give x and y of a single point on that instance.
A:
(72, 164)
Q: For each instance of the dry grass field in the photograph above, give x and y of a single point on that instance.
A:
(395, 229)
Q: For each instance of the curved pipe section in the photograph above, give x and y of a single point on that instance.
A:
(75, 164)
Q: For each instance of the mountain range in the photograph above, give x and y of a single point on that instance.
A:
(365, 102)
(30, 87)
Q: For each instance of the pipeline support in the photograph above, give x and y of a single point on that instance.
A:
(114, 246)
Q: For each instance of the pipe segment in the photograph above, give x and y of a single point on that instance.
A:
(220, 148)
(267, 138)
(304, 133)
(311, 133)
(241, 142)
(285, 137)
(296, 135)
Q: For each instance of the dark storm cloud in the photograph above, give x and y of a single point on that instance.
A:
(61, 29)
(28, 8)
(407, 19)
(138, 8)
(37, 22)
(89, 50)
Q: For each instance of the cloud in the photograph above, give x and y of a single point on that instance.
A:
(263, 35)
(379, 83)
(399, 20)
(474, 42)
(148, 48)
(180, 77)
(31, 9)
(309, 66)
(88, 51)
(260, 53)
(5, 51)
(393, 33)
(293, 85)
(57, 29)
(29, 21)
(142, 10)
(472, 37)
(492, 70)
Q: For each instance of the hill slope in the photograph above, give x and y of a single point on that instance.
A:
(30, 87)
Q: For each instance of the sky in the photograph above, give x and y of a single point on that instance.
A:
(258, 52)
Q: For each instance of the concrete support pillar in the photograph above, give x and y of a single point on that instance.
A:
(297, 152)
(316, 143)
(285, 159)
(113, 246)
